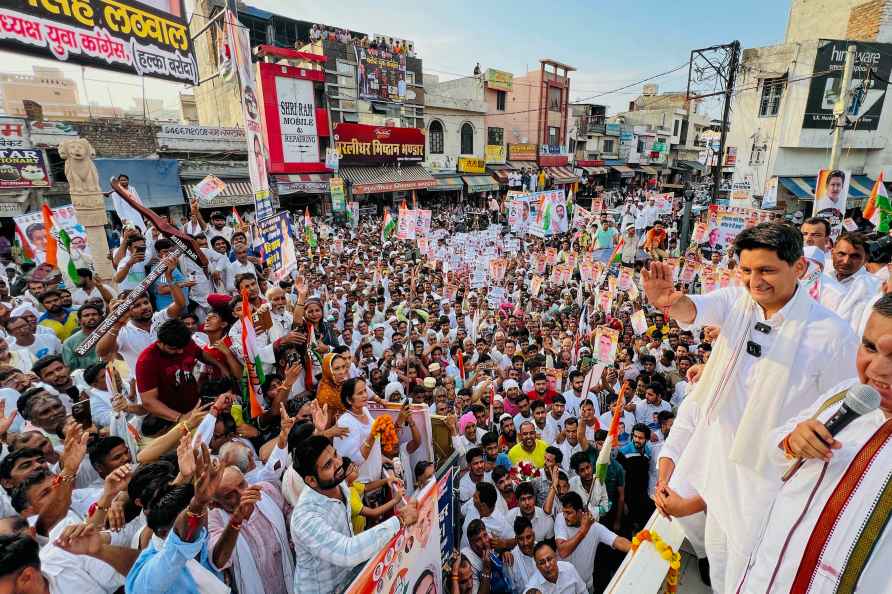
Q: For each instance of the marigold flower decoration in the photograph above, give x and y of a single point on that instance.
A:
(666, 552)
(384, 429)
(524, 471)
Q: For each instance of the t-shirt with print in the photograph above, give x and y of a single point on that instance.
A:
(171, 375)
(43, 345)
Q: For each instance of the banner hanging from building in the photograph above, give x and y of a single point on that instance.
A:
(866, 104)
(360, 144)
(240, 48)
(411, 560)
(498, 80)
(447, 516)
(144, 38)
(380, 75)
(23, 168)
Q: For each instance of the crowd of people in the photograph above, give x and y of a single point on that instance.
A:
(153, 464)
(397, 46)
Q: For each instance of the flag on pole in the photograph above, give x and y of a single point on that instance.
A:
(309, 233)
(52, 246)
(612, 437)
(461, 366)
(239, 223)
(251, 355)
(389, 225)
(70, 268)
(878, 209)
(616, 257)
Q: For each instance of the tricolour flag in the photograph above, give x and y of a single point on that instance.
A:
(878, 209)
(52, 256)
(616, 256)
(389, 226)
(56, 236)
(251, 355)
(309, 233)
(239, 222)
(612, 436)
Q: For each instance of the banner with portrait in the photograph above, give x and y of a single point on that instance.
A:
(831, 195)
(278, 245)
(380, 75)
(32, 235)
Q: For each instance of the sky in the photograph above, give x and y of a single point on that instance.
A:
(610, 45)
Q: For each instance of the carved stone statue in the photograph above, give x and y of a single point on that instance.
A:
(87, 198)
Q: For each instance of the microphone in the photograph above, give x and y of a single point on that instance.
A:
(860, 400)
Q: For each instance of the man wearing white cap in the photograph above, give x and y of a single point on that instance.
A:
(379, 341)
(820, 285)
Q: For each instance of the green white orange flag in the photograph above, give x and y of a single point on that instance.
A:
(56, 236)
(389, 225)
(251, 356)
(878, 209)
(309, 233)
(612, 437)
(52, 246)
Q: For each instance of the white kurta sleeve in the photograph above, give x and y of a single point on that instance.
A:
(713, 308)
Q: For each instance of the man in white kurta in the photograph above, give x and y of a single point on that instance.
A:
(777, 349)
(849, 256)
(814, 537)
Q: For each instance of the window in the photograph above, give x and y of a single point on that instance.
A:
(410, 77)
(435, 135)
(640, 146)
(467, 139)
(675, 127)
(501, 99)
(495, 136)
(554, 136)
(608, 146)
(554, 98)
(772, 91)
(757, 154)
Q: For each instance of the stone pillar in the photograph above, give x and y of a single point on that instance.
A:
(88, 201)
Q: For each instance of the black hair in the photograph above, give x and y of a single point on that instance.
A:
(163, 244)
(18, 551)
(487, 494)
(420, 467)
(347, 389)
(19, 497)
(498, 473)
(658, 388)
(557, 453)
(648, 359)
(543, 543)
(536, 404)
(174, 334)
(474, 453)
(311, 449)
(9, 462)
(91, 373)
(45, 362)
(855, 239)
(240, 278)
(577, 460)
(298, 434)
(521, 524)
(100, 448)
(818, 221)
(162, 510)
(783, 240)
(212, 388)
(540, 377)
(643, 429)
(49, 293)
(524, 488)
(837, 173)
(475, 527)
(601, 435)
(149, 479)
(664, 415)
(24, 402)
(883, 305)
(489, 438)
(89, 305)
(573, 500)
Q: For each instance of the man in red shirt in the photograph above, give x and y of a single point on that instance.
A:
(541, 390)
(165, 372)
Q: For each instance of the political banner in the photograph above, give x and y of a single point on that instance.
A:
(278, 245)
(336, 188)
(208, 189)
(410, 562)
(606, 341)
(581, 217)
(405, 227)
(149, 38)
(447, 514)
(663, 203)
(422, 222)
(23, 168)
(380, 75)
(32, 234)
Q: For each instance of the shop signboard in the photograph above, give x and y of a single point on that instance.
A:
(297, 120)
(551, 149)
(731, 156)
(471, 165)
(824, 88)
(553, 160)
(359, 144)
(148, 38)
(23, 168)
(613, 129)
(381, 75)
(14, 133)
(498, 80)
(494, 153)
(522, 152)
(178, 137)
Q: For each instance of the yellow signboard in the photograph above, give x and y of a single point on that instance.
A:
(499, 80)
(471, 165)
(495, 153)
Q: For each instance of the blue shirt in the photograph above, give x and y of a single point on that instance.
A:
(164, 571)
(162, 301)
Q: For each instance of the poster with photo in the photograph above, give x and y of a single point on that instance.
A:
(32, 234)
(606, 341)
(831, 195)
(405, 228)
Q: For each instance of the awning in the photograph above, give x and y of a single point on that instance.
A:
(238, 192)
(518, 165)
(647, 170)
(623, 170)
(562, 175)
(595, 170)
(369, 180)
(13, 204)
(685, 165)
(303, 183)
(481, 183)
(448, 183)
(500, 172)
(157, 181)
(803, 188)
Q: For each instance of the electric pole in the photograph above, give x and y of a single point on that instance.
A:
(841, 108)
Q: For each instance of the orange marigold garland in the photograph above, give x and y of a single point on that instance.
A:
(666, 552)
(384, 428)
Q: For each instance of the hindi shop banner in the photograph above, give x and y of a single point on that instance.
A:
(23, 168)
(278, 245)
(361, 144)
(381, 75)
(410, 562)
(144, 38)
(240, 48)
(32, 234)
(298, 137)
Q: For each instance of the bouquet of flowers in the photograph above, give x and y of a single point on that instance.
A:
(524, 471)
(384, 429)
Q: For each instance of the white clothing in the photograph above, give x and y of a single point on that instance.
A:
(859, 289)
(43, 345)
(234, 269)
(495, 524)
(522, 570)
(598, 500)
(359, 432)
(583, 556)
(133, 340)
(568, 581)
(76, 573)
(543, 524)
(466, 486)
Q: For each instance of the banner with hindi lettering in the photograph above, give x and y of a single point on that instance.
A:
(141, 38)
